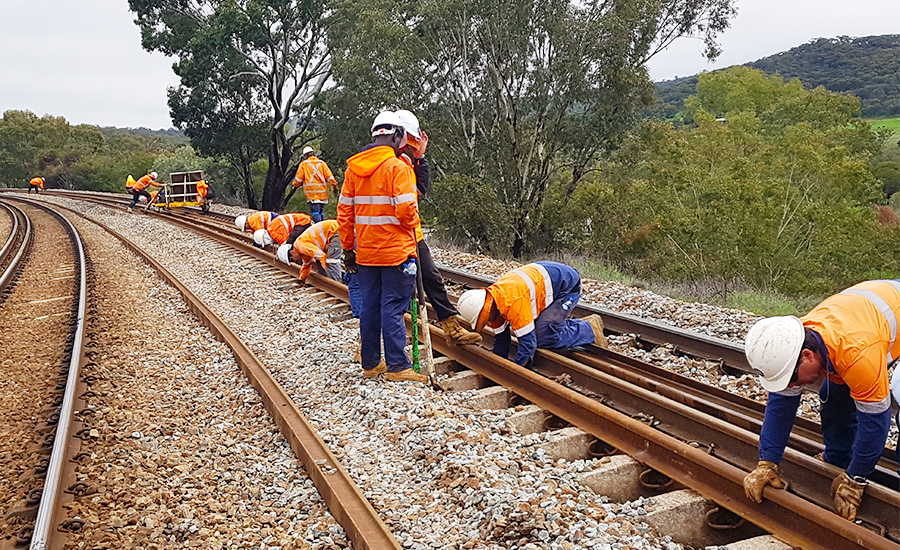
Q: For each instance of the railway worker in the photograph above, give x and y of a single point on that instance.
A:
(255, 221)
(36, 185)
(895, 396)
(283, 229)
(417, 142)
(202, 191)
(315, 177)
(841, 348)
(534, 302)
(320, 245)
(377, 217)
(139, 189)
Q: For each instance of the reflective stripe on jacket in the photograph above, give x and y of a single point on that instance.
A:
(522, 294)
(280, 228)
(378, 211)
(859, 327)
(260, 220)
(313, 245)
(419, 235)
(142, 183)
(314, 176)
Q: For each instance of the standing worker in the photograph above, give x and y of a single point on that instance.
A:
(849, 339)
(315, 177)
(417, 142)
(377, 217)
(320, 245)
(36, 185)
(139, 189)
(533, 302)
(283, 229)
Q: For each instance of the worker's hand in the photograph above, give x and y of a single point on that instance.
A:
(350, 261)
(421, 145)
(766, 473)
(847, 495)
(302, 283)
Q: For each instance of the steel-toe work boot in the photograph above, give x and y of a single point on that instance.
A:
(406, 375)
(380, 368)
(597, 325)
(456, 335)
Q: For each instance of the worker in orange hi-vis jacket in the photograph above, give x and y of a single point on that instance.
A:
(283, 229)
(36, 185)
(315, 177)
(255, 221)
(139, 189)
(842, 349)
(377, 216)
(318, 246)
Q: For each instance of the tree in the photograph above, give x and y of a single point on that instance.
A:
(256, 60)
(516, 89)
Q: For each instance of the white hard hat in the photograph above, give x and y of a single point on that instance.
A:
(410, 122)
(241, 222)
(262, 237)
(284, 253)
(470, 305)
(772, 347)
(385, 119)
(308, 149)
(153, 174)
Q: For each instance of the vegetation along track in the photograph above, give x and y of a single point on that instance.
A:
(680, 468)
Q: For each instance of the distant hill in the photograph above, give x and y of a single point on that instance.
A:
(867, 67)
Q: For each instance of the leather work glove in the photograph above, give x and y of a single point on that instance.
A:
(766, 473)
(350, 260)
(847, 495)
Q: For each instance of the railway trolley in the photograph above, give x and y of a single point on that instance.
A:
(182, 189)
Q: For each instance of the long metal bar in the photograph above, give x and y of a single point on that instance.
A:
(14, 264)
(11, 238)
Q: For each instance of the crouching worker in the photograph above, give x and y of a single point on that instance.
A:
(36, 185)
(534, 302)
(841, 349)
(139, 189)
(283, 229)
(320, 245)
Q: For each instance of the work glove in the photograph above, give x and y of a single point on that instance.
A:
(350, 261)
(847, 495)
(302, 283)
(766, 473)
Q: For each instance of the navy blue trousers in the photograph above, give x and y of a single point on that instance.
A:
(554, 329)
(386, 292)
(316, 211)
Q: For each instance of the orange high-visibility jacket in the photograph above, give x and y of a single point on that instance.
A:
(38, 181)
(314, 176)
(859, 327)
(280, 228)
(260, 220)
(142, 183)
(419, 234)
(202, 188)
(312, 245)
(378, 211)
(520, 296)
(129, 183)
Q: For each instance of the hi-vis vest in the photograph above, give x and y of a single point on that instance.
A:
(520, 296)
(313, 174)
(313, 245)
(260, 220)
(280, 228)
(859, 327)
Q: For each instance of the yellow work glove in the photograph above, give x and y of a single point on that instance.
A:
(847, 495)
(766, 473)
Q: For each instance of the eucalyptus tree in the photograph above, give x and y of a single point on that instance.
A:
(249, 63)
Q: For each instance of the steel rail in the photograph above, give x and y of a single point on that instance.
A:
(14, 230)
(770, 520)
(15, 256)
(362, 524)
(52, 491)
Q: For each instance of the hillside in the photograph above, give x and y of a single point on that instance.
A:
(867, 67)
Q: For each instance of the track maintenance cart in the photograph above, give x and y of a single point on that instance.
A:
(183, 189)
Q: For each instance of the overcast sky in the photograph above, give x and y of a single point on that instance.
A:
(82, 59)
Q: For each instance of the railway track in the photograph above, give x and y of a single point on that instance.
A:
(716, 475)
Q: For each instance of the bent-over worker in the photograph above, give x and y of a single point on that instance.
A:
(139, 189)
(841, 348)
(533, 302)
(36, 185)
(320, 245)
(283, 229)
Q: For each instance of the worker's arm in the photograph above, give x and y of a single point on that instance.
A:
(346, 216)
(871, 434)
(406, 206)
(423, 175)
(781, 410)
(527, 347)
(502, 341)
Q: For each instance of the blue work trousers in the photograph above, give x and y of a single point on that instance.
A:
(554, 329)
(352, 282)
(317, 212)
(838, 416)
(386, 292)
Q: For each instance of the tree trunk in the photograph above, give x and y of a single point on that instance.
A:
(273, 190)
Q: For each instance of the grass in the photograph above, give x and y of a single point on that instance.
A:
(892, 124)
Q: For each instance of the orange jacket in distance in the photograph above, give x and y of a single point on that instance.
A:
(280, 228)
(38, 182)
(129, 183)
(512, 294)
(314, 176)
(312, 245)
(378, 211)
(142, 183)
(202, 188)
(856, 326)
(260, 220)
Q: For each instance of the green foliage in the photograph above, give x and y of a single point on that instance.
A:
(470, 213)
